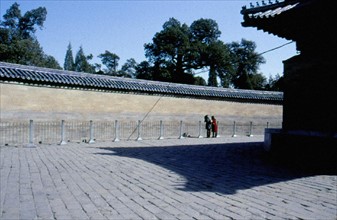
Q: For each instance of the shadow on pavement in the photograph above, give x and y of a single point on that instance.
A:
(222, 168)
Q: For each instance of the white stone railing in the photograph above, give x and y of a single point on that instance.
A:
(32, 133)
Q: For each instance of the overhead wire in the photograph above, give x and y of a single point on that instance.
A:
(161, 96)
(275, 48)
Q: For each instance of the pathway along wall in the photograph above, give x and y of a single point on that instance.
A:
(24, 102)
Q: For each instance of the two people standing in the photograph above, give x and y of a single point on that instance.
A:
(211, 125)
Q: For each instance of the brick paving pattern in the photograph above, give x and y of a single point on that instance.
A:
(220, 178)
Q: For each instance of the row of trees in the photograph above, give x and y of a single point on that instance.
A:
(81, 63)
(178, 53)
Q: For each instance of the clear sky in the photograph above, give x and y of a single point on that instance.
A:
(124, 26)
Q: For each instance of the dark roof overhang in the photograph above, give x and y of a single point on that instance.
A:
(304, 21)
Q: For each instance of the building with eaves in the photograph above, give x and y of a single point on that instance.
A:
(310, 103)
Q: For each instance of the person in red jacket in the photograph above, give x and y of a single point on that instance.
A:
(214, 127)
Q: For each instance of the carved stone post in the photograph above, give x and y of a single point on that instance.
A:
(31, 135)
(234, 129)
(181, 130)
(199, 136)
(116, 131)
(161, 130)
(139, 138)
(63, 142)
(250, 129)
(91, 141)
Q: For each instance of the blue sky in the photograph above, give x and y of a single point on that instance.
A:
(123, 27)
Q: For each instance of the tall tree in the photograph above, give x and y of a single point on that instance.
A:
(82, 62)
(169, 51)
(18, 43)
(69, 63)
(144, 70)
(128, 69)
(218, 60)
(245, 62)
(275, 83)
(110, 60)
(205, 31)
(178, 51)
(200, 81)
(51, 62)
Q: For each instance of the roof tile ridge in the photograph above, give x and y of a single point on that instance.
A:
(267, 7)
(140, 81)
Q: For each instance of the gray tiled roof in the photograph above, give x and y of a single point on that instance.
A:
(270, 11)
(59, 78)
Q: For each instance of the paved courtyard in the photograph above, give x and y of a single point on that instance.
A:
(219, 178)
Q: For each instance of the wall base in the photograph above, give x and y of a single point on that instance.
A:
(306, 150)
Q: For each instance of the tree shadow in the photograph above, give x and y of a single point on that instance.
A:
(222, 168)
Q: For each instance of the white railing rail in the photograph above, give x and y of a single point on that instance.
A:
(31, 133)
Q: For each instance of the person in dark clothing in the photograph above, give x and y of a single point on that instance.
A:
(208, 125)
(214, 127)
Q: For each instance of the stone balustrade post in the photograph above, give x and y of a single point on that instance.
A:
(161, 130)
(116, 131)
(92, 140)
(199, 136)
(250, 129)
(63, 142)
(139, 138)
(234, 129)
(181, 130)
(31, 135)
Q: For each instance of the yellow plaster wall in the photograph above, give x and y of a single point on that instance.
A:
(21, 102)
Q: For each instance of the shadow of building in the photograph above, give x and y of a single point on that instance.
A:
(218, 168)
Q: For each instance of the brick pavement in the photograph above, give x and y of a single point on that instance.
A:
(222, 178)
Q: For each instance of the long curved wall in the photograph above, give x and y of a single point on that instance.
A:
(24, 102)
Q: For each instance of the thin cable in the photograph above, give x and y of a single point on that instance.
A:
(155, 104)
(275, 48)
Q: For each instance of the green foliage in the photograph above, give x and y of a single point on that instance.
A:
(51, 62)
(169, 51)
(217, 59)
(110, 60)
(18, 43)
(82, 62)
(128, 69)
(199, 81)
(244, 65)
(178, 51)
(176, 54)
(205, 31)
(275, 83)
(69, 63)
(144, 71)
